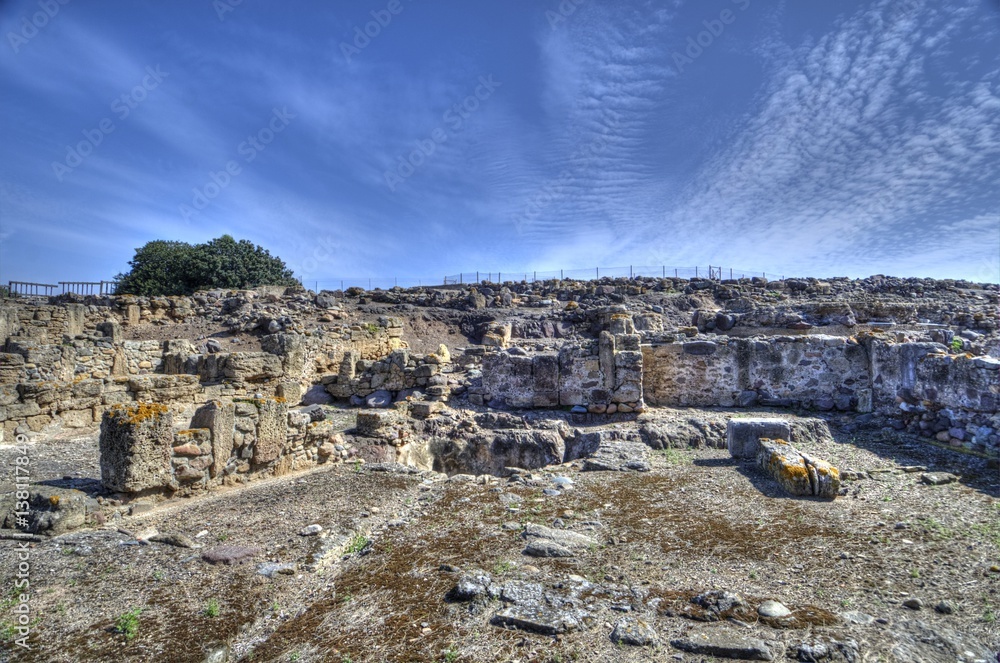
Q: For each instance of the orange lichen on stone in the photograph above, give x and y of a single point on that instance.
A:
(54, 500)
(138, 412)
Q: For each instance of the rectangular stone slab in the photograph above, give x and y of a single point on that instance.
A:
(742, 435)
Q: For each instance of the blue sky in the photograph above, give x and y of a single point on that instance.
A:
(847, 138)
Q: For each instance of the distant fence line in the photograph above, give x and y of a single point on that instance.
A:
(712, 272)
(596, 273)
(27, 289)
(588, 274)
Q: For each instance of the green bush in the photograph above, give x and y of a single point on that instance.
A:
(162, 267)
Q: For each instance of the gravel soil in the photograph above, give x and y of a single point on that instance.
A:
(372, 585)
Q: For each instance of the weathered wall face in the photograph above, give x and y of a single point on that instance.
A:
(66, 364)
(229, 442)
(952, 397)
(396, 375)
(605, 376)
(824, 372)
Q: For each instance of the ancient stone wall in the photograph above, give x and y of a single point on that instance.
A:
(67, 363)
(822, 372)
(920, 386)
(603, 376)
(228, 442)
(398, 375)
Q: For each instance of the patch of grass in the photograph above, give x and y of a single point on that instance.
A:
(212, 608)
(127, 623)
(675, 456)
(8, 631)
(347, 597)
(989, 530)
(159, 575)
(914, 573)
(451, 655)
(11, 598)
(502, 567)
(222, 537)
(937, 530)
(357, 544)
(372, 328)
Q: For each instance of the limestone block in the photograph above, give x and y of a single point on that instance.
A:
(606, 352)
(135, 446)
(272, 424)
(220, 419)
(292, 392)
(742, 435)
(796, 472)
(545, 369)
(252, 366)
(424, 409)
(55, 511)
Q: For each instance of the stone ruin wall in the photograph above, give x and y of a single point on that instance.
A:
(602, 376)
(67, 363)
(919, 386)
(227, 443)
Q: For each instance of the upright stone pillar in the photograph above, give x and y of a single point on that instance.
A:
(135, 445)
(220, 419)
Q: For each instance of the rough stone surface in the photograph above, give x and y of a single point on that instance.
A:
(743, 435)
(136, 443)
(723, 642)
(797, 473)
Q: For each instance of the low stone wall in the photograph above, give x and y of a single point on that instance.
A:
(73, 381)
(228, 442)
(604, 377)
(822, 372)
(81, 403)
(920, 386)
(400, 374)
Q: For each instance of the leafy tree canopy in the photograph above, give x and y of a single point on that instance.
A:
(178, 268)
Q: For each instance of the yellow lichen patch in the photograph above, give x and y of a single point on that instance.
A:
(54, 500)
(138, 412)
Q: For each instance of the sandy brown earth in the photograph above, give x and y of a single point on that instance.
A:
(372, 585)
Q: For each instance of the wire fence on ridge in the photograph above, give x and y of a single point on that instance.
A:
(522, 276)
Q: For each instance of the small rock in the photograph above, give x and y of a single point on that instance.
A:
(857, 617)
(724, 643)
(634, 632)
(311, 530)
(773, 609)
(179, 540)
(271, 569)
(913, 604)
(228, 554)
(944, 608)
(938, 478)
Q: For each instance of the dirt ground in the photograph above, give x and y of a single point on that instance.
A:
(372, 585)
